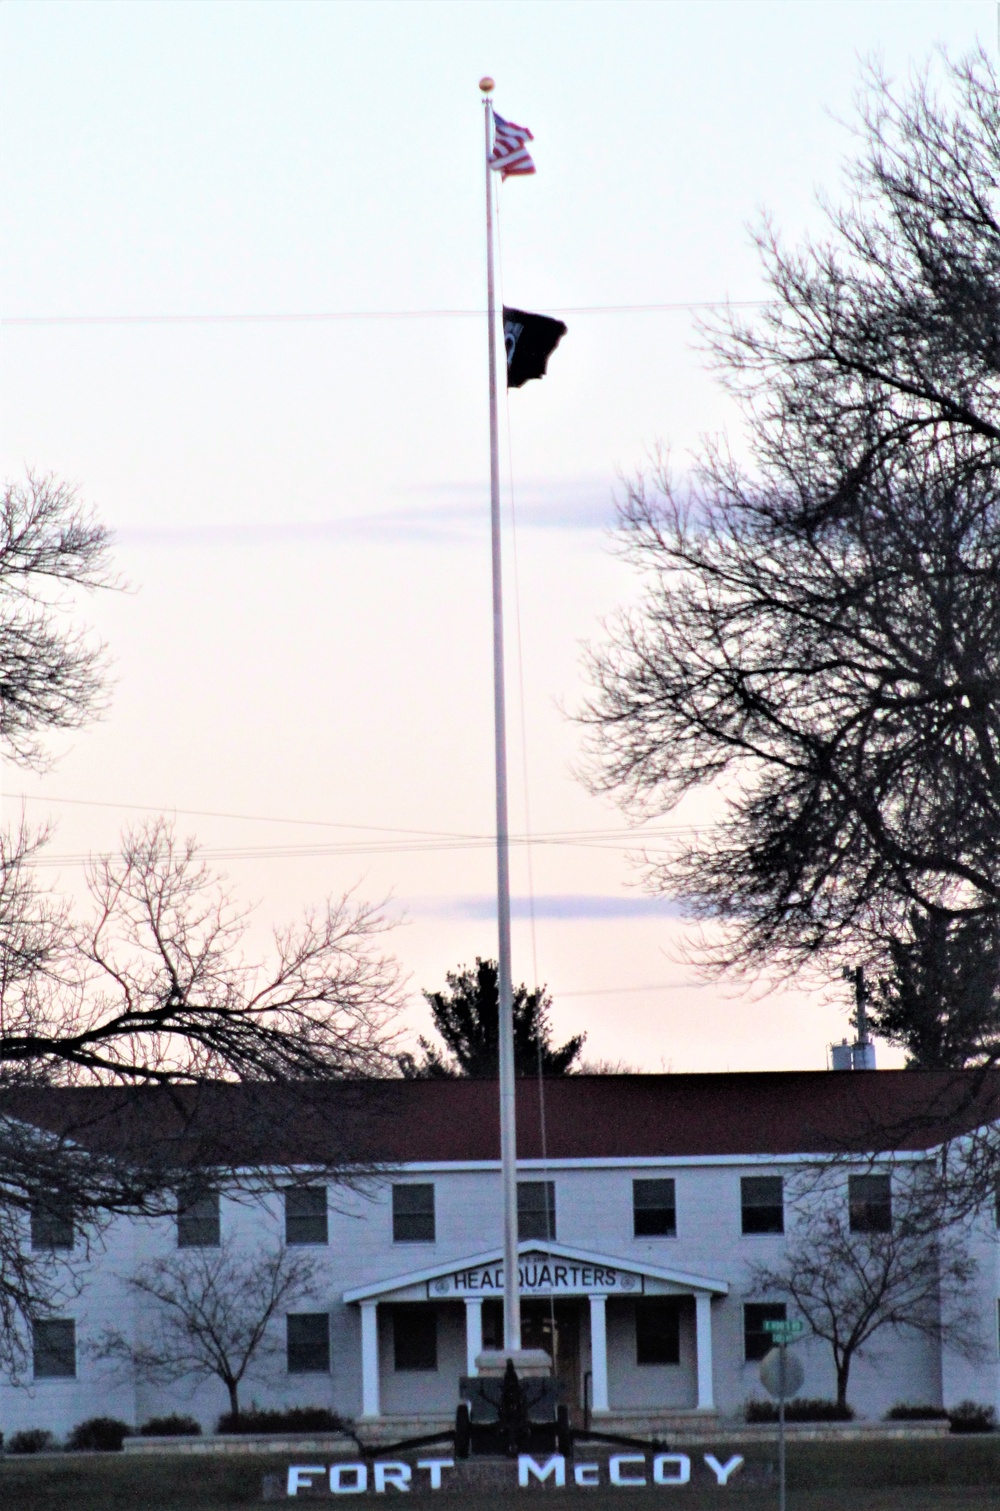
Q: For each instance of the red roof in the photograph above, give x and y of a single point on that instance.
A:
(586, 1117)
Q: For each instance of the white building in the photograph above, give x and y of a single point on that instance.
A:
(641, 1226)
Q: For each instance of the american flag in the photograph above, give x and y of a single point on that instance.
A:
(510, 155)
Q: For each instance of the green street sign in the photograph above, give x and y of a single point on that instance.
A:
(785, 1329)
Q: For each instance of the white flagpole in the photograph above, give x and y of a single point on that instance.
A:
(508, 1132)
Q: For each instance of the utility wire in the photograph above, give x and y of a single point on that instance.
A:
(553, 835)
(306, 317)
(318, 852)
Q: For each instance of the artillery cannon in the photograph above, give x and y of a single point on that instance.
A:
(505, 1413)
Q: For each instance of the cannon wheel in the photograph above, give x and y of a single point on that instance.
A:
(564, 1436)
(462, 1433)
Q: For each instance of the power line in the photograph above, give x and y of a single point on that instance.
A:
(252, 818)
(656, 986)
(460, 836)
(322, 852)
(307, 317)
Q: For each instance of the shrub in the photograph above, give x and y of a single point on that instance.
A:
(904, 1412)
(800, 1410)
(170, 1427)
(969, 1416)
(98, 1435)
(32, 1440)
(295, 1419)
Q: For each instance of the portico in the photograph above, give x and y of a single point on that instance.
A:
(553, 1273)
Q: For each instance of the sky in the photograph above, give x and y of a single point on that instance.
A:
(242, 291)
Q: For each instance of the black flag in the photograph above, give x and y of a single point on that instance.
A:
(530, 341)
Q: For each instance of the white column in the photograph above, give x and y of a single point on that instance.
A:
(703, 1350)
(473, 1333)
(599, 1352)
(369, 1359)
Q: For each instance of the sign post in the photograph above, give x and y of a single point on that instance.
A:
(782, 1377)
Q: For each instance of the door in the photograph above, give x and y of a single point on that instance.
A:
(540, 1320)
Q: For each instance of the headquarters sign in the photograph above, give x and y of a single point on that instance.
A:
(540, 1275)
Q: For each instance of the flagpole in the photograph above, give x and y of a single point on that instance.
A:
(508, 1130)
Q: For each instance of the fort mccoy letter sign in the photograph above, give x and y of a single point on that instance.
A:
(624, 1470)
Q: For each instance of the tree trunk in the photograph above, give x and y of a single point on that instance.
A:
(233, 1386)
(843, 1373)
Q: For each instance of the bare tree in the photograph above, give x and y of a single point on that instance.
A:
(168, 994)
(154, 996)
(819, 640)
(881, 1259)
(209, 1314)
(51, 675)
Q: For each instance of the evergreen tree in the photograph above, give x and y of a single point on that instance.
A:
(940, 998)
(466, 1015)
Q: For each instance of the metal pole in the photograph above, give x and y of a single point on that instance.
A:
(781, 1427)
(508, 1133)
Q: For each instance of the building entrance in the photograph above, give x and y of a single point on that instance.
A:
(552, 1325)
(555, 1326)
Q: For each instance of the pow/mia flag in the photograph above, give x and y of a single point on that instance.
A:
(530, 341)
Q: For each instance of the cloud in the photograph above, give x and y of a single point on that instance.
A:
(451, 511)
(553, 906)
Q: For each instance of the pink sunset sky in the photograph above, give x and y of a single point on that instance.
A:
(302, 658)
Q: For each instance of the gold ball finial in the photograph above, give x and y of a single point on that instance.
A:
(486, 84)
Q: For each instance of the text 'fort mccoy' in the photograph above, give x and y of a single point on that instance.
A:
(623, 1470)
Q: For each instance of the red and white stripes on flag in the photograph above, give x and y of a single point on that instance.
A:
(510, 155)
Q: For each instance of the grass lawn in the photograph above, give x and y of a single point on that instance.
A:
(953, 1474)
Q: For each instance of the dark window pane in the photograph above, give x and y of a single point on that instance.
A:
(756, 1342)
(51, 1224)
(763, 1204)
(413, 1214)
(305, 1214)
(54, 1349)
(198, 1220)
(536, 1209)
(658, 1331)
(308, 1343)
(870, 1202)
(414, 1337)
(654, 1208)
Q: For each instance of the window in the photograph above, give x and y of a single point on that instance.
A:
(308, 1343)
(413, 1214)
(51, 1223)
(536, 1209)
(654, 1209)
(658, 1331)
(763, 1203)
(870, 1202)
(198, 1220)
(756, 1342)
(414, 1337)
(305, 1214)
(54, 1349)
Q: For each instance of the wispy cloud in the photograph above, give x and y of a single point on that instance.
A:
(447, 511)
(556, 906)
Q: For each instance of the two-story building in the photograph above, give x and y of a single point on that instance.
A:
(646, 1206)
